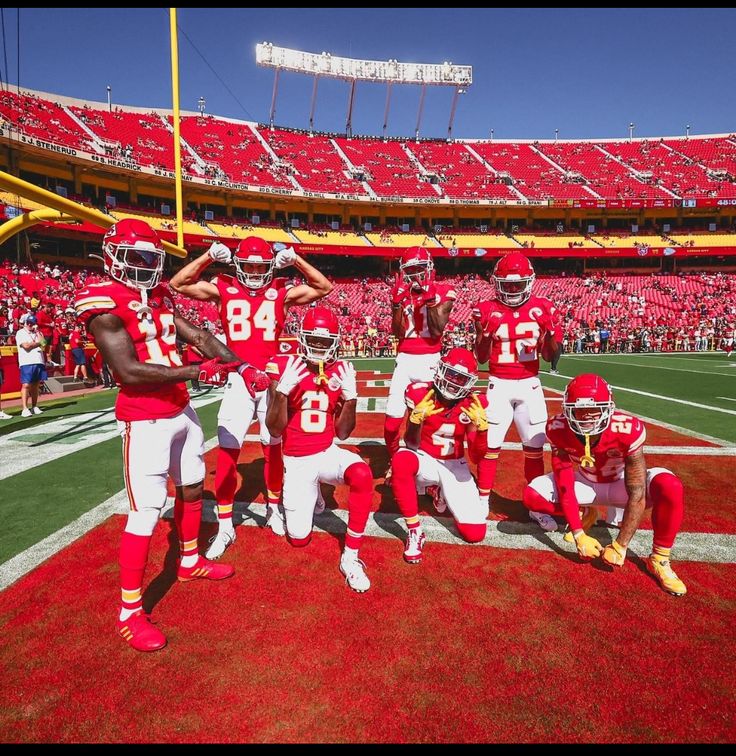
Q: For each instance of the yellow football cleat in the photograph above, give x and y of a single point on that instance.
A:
(661, 568)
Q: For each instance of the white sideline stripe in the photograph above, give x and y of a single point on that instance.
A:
(666, 398)
(650, 367)
(505, 534)
(21, 564)
(20, 455)
(727, 398)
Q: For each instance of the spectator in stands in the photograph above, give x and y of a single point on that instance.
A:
(76, 344)
(32, 364)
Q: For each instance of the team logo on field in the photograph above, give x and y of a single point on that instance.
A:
(271, 294)
(614, 453)
(232, 290)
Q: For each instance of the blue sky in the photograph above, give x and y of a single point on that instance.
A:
(587, 73)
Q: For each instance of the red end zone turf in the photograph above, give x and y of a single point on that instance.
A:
(475, 644)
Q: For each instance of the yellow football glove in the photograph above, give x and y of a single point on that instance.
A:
(588, 547)
(615, 554)
(477, 414)
(425, 408)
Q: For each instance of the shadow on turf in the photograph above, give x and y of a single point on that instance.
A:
(29, 423)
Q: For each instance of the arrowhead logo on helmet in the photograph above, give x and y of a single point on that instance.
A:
(254, 262)
(456, 374)
(588, 404)
(133, 254)
(514, 278)
(319, 335)
(417, 267)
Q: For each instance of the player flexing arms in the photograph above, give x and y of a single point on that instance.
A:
(443, 415)
(313, 398)
(511, 330)
(135, 326)
(420, 311)
(598, 460)
(253, 307)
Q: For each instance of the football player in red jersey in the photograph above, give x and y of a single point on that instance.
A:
(511, 331)
(313, 398)
(420, 311)
(135, 326)
(444, 414)
(598, 460)
(253, 306)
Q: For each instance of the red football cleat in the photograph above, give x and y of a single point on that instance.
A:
(205, 569)
(140, 633)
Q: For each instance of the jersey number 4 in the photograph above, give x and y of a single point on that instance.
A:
(240, 324)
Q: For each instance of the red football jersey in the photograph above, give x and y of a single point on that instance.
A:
(311, 408)
(442, 435)
(514, 346)
(252, 319)
(154, 338)
(624, 435)
(416, 338)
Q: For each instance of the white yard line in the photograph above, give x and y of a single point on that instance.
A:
(45, 442)
(648, 367)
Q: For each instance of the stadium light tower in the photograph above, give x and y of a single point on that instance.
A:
(631, 131)
(687, 131)
(109, 98)
(201, 104)
(491, 134)
(353, 70)
(557, 134)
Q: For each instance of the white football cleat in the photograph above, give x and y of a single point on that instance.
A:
(4, 415)
(545, 521)
(26, 413)
(220, 542)
(414, 546)
(275, 520)
(355, 574)
(319, 507)
(37, 410)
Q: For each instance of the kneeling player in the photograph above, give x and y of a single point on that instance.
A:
(313, 398)
(443, 414)
(598, 460)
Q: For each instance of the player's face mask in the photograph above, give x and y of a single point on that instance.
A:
(316, 349)
(453, 382)
(589, 421)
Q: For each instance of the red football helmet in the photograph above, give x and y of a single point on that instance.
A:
(514, 278)
(319, 335)
(417, 267)
(456, 374)
(133, 254)
(254, 262)
(588, 404)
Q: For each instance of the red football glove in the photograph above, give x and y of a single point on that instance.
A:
(400, 292)
(215, 371)
(545, 322)
(255, 380)
(427, 296)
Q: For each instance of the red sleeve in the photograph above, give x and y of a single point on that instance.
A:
(637, 437)
(90, 302)
(565, 482)
(415, 392)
